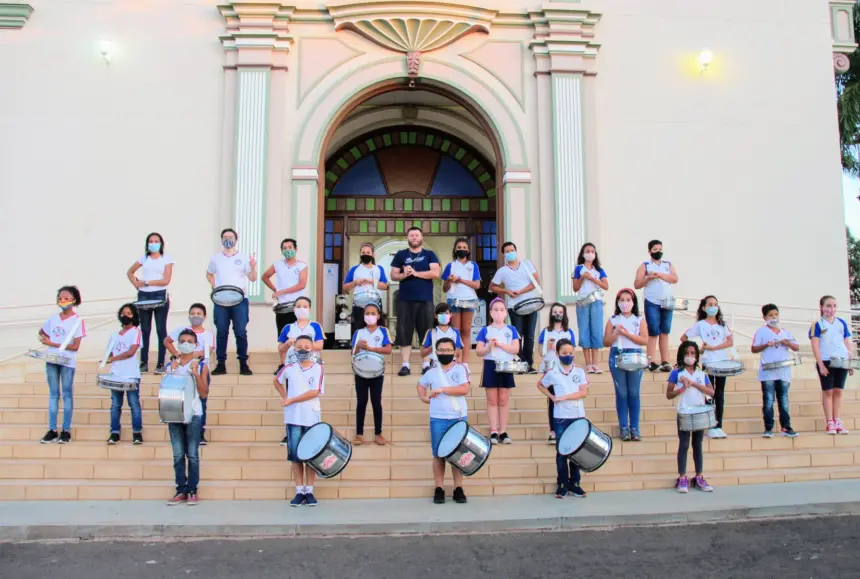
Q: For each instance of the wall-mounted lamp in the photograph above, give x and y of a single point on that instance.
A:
(106, 49)
(705, 59)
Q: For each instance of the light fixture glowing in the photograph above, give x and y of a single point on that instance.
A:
(705, 59)
(106, 49)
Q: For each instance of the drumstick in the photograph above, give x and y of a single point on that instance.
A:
(70, 335)
(111, 343)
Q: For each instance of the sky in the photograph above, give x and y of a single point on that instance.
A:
(850, 191)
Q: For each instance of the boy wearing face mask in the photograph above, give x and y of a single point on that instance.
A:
(441, 329)
(205, 348)
(300, 386)
(446, 396)
(123, 362)
(657, 277)
(775, 344)
(291, 276)
(565, 386)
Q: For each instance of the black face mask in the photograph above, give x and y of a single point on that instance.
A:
(557, 317)
(445, 359)
(366, 258)
(657, 255)
(462, 253)
(125, 320)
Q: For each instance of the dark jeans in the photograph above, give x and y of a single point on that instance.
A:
(684, 445)
(525, 326)
(116, 397)
(283, 320)
(160, 324)
(358, 320)
(779, 388)
(373, 387)
(567, 471)
(185, 439)
(550, 407)
(719, 384)
(238, 315)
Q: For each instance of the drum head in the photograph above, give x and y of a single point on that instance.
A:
(452, 438)
(227, 295)
(313, 441)
(148, 303)
(694, 409)
(573, 437)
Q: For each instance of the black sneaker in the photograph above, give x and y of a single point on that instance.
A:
(159, 368)
(532, 370)
(625, 434)
(50, 436)
(137, 438)
(460, 496)
(203, 441)
(113, 438)
(577, 491)
(285, 441)
(439, 496)
(65, 437)
(789, 432)
(504, 438)
(220, 369)
(560, 492)
(404, 371)
(494, 438)
(244, 370)
(665, 367)
(144, 368)
(653, 367)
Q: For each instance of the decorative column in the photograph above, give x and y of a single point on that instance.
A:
(565, 52)
(842, 28)
(256, 45)
(14, 16)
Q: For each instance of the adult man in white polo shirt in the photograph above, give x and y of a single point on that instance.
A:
(232, 268)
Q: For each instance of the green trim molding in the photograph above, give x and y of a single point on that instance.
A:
(14, 16)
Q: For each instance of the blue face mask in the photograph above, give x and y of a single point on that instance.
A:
(566, 360)
(511, 256)
(228, 243)
(154, 247)
(712, 310)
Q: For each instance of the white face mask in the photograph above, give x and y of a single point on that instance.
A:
(370, 320)
(588, 256)
(689, 360)
(302, 313)
(773, 322)
(186, 348)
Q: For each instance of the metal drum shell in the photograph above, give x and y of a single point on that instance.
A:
(467, 304)
(632, 361)
(175, 397)
(365, 354)
(704, 418)
(676, 304)
(782, 364)
(727, 370)
(117, 383)
(364, 299)
(332, 458)
(594, 450)
(529, 306)
(845, 363)
(225, 289)
(143, 305)
(589, 298)
(471, 453)
(512, 367)
(284, 308)
(50, 357)
(547, 365)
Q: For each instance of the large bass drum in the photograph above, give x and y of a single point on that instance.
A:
(324, 450)
(464, 448)
(227, 296)
(585, 445)
(175, 397)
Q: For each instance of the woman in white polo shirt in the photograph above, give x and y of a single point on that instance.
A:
(156, 270)
(359, 280)
(460, 279)
(292, 281)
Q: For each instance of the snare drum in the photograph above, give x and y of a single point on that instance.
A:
(794, 361)
(632, 361)
(284, 308)
(697, 418)
(547, 365)
(143, 305)
(324, 450)
(466, 304)
(511, 367)
(175, 397)
(50, 357)
(364, 299)
(677, 304)
(584, 444)
(724, 368)
(368, 364)
(528, 306)
(464, 448)
(227, 296)
(845, 363)
(589, 298)
(119, 383)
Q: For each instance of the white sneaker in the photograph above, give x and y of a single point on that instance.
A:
(722, 433)
(714, 433)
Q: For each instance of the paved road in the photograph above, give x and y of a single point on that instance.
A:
(784, 549)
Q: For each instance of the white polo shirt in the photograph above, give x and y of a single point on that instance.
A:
(772, 354)
(444, 406)
(657, 289)
(712, 335)
(506, 335)
(361, 271)
(516, 279)
(564, 383)
(469, 271)
(125, 340)
(287, 276)
(690, 397)
(231, 269)
(153, 270)
(305, 413)
(832, 337)
(57, 328)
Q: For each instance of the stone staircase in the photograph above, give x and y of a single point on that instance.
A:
(245, 424)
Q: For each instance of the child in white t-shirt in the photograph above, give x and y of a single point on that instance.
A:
(831, 338)
(775, 344)
(498, 342)
(123, 363)
(690, 386)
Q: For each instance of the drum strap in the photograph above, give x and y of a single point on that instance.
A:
(530, 268)
(111, 343)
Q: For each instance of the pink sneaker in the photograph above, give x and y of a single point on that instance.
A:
(840, 428)
(831, 427)
(700, 483)
(682, 484)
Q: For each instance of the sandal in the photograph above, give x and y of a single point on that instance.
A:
(596, 370)
(359, 440)
(380, 440)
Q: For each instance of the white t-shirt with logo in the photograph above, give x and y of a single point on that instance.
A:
(690, 397)
(184, 370)
(630, 323)
(126, 339)
(657, 289)
(438, 333)
(153, 270)
(361, 271)
(516, 279)
(287, 276)
(772, 354)
(299, 380)
(469, 271)
(231, 269)
(564, 383)
(547, 335)
(378, 338)
(832, 337)
(506, 335)
(205, 341)
(712, 335)
(57, 328)
(444, 406)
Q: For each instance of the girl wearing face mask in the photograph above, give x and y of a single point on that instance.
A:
(291, 276)
(359, 280)
(589, 277)
(626, 332)
(497, 342)
(775, 345)
(548, 339)
(52, 334)
(156, 271)
(690, 386)
(441, 329)
(716, 341)
(123, 362)
(461, 278)
(831, 338)
(373, 337)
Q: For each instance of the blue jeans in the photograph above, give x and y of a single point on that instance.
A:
(160, 324)
(567, 471)
(659, 320)
(185, 439)
(294, 435)
(780, 389)
(525, 326)
(238, 315)
(116, 397)
(589, 321)
(627, 402)
(60, 374)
